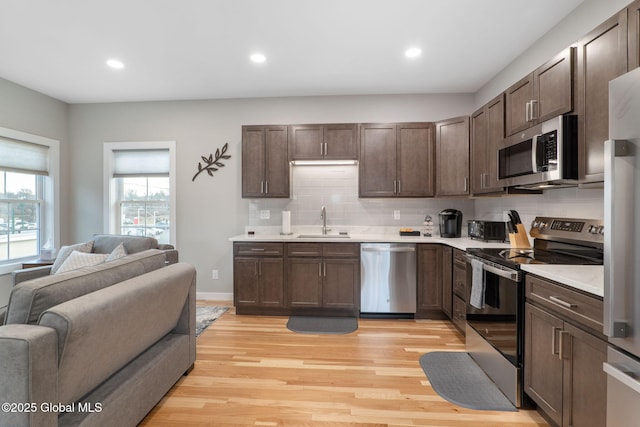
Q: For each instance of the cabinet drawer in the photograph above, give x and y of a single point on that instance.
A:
(341, 250)
(460, 281)
(584, 309)
(258, 249)
(459, 257)
(304, 249)
(459, 313)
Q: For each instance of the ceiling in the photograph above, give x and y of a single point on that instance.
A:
(199, 49)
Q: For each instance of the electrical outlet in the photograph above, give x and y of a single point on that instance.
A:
(265, 214)
(396, 214)
(215, 275)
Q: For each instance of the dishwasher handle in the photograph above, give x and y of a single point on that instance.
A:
(388, 249)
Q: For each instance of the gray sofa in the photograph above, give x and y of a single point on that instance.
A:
(104, 244)
(97, 346)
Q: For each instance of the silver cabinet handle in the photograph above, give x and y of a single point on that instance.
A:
(319, 269)
(554, 333)
(266, 187)
(261, 187)
(321, 149)
(534, 103)
(399, 187)
(257, 249)
(527, 111)
(562, 303)
(326, 149)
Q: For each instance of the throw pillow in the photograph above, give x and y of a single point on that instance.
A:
(118, 252)
(65, 251)
(81, 259)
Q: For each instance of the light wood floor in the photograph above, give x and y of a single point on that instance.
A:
(253, 371)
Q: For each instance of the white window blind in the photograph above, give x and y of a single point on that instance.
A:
(23, 157)
(151, 162)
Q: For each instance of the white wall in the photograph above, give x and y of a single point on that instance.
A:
(210, 210)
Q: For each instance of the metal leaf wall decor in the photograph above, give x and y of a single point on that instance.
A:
(211, 163)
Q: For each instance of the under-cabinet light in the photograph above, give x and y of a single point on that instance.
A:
(323, 162)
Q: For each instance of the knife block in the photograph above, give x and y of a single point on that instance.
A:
(519, 240)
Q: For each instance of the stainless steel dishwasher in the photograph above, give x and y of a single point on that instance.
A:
(388, 279)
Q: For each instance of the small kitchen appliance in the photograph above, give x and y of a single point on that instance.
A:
(486, 231)
(450, 223)
(495, 323)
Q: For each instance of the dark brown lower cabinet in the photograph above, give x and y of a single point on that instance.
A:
(563, 363)
(323, 277)
(258, 278)
(431, 267)
(459, 288)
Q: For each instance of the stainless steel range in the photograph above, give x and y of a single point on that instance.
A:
(496, 293)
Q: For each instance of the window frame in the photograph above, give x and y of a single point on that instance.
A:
(111, 200)
(50, 204)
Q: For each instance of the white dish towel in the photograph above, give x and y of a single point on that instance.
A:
(477, 284)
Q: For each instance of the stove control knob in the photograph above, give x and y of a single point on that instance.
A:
(601, 230)
(593, 229)
(543, 225)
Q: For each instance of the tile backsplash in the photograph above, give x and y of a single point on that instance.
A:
(336, 188)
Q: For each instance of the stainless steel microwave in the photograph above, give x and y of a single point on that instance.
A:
(543, 156)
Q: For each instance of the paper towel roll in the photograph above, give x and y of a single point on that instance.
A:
(286, 222)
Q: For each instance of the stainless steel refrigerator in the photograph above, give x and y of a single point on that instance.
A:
(622, 251)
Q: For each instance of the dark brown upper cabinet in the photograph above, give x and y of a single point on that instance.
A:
(323, 142)
(487, 130)
(541, 95)
(602, 56)
(452, 157)
(396, 160)
(265, 166)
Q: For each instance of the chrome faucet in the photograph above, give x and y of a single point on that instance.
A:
(323, 215)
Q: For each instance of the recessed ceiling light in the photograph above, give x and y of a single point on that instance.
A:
(115, 63)
(258, 58)
(413, 52)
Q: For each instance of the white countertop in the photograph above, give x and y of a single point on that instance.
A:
(462, 243)
(588, 278)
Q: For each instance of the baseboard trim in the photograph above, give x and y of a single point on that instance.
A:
(214, 296)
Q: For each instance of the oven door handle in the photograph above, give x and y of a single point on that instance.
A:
(507, 274)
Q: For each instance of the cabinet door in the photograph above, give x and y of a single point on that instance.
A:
(246, 291)
(585, 383)
(633, 12)
(271, 271)
(517, 98)
(306, 142)
(276, 162)
(430, 277)
(447, 280)
(495, 134)
(479, 152)
(341, 142)
(341, 284)
(553, 86)
(377, 170)
(542, 364)
(460, 281)
(452, 150)
(304, 279)
(253, 161)
(415, 150)
(602, 56)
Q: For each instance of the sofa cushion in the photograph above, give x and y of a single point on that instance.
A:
(106, 243)
(65, 251)
(80, 259)
(91, 343)
(118, 252)
(29, 299)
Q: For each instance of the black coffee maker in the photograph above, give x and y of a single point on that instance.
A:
(450, 223)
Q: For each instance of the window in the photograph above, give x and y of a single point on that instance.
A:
(28, 196)
(140, 189)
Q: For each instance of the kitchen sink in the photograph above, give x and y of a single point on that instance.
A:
(324, 236)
